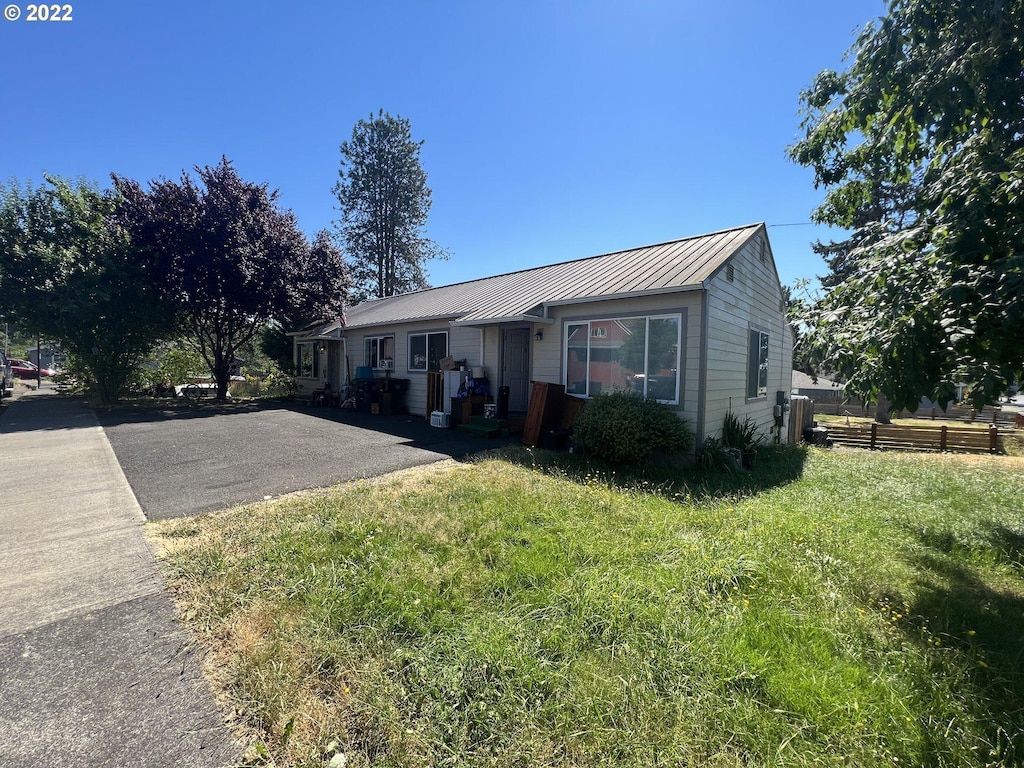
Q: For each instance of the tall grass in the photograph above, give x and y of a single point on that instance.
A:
(865, 612)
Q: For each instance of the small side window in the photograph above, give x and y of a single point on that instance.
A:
(757, 364)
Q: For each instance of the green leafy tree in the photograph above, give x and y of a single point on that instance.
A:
(235, 260)
(176, 362)
(70, 273)
(384, 201)
(799, 303)
(920, 146)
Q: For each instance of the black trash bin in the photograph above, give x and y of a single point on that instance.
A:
(503, 395)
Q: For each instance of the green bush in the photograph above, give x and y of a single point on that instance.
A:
(625, 429)
(279, 384)
(714, 455)
(743, 435)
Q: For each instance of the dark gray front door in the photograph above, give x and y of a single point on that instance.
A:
(515, 367)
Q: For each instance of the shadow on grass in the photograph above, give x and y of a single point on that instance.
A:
(984, 622)
(775, 466)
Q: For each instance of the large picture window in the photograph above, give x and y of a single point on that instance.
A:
(379, 349)
(757, 364)
(309, 360)
(426, 350)
(633, 354)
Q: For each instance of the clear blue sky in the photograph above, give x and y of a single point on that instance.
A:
(553, 130)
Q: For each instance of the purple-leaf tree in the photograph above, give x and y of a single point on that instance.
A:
(235, 260)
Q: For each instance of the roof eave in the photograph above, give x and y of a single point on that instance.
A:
(478, 321)
(335, 335)
(629, 295)
(315, 331)
(356, 326)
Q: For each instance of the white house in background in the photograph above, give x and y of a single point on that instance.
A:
(697, 323)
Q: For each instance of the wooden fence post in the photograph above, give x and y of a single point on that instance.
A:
(993, 439)
(943, 435)
(874, 434)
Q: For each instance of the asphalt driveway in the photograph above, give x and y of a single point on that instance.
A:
(188, 460)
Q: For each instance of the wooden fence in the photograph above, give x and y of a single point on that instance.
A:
(956, 413)
(918, 438)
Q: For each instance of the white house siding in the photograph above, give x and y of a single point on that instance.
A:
(469, 343)
(751, 299)
(477, 345)
(492, 355)
(416, 398)
(548, 354)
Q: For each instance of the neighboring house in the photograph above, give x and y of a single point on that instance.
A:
(822, 390)
(50, 357)
(696, 323)
(826, 391)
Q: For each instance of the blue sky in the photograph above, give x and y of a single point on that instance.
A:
(553, 130)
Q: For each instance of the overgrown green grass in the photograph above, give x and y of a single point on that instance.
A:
(866, 611)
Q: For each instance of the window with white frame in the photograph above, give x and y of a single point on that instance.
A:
(308, 366)
(634, 354)
(426, 350)
(757, 363)
(379, 352)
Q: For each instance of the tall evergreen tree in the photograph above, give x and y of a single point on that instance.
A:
(384, 201)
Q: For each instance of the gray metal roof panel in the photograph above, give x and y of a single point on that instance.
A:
(679, 263)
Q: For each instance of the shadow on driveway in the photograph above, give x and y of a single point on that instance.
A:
(183, 460)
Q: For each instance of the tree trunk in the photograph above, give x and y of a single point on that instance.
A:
(221, 374)
(883, 410)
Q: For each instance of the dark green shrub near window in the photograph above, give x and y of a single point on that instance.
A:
(625, 429)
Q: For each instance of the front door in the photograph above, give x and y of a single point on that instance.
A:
(515, 367)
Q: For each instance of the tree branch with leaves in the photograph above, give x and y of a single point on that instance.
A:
(920, 147)
(236, 260)
(70, 273)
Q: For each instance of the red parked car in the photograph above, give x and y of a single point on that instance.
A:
(23, 369)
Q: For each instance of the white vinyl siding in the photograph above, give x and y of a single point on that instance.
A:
(750, 302)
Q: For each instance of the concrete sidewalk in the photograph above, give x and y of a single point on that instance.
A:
(94, 669)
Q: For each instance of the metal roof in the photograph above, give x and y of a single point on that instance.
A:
(674, 266)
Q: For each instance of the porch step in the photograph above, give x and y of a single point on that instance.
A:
(482, 427)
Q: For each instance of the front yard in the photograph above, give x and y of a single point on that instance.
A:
(828, 609)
